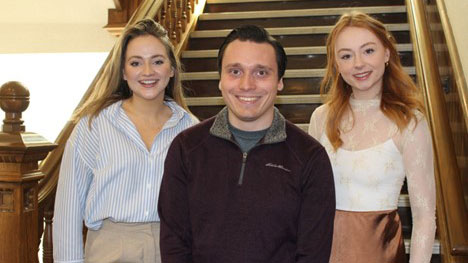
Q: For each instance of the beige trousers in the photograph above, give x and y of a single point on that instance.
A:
(123, 242)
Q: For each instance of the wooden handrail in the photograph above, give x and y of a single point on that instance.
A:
(451, 210)
(454, 59)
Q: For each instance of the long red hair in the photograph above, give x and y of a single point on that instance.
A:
(400, 96)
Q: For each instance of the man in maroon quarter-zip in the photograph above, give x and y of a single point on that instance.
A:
(247, 185)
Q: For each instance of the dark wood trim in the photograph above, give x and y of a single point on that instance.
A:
(451, 209)
(118, 4)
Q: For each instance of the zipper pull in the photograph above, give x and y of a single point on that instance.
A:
(244, 159)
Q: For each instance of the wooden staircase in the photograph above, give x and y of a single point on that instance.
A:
(303, 37)
(302, 27)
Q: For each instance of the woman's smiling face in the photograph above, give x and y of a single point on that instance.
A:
(360, 59)
(147, 68)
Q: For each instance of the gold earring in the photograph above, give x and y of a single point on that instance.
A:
(386, 64)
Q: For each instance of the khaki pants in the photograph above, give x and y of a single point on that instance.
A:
(123, 242)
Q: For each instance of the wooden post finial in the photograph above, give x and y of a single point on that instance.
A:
(14, 99)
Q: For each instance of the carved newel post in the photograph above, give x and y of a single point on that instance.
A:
(20, 153)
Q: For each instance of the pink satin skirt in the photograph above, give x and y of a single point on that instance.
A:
(370, 237)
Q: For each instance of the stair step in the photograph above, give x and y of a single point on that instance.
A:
(296, 113)
(301, 40)
(213, 53)
(272, 1)
(296, 21)
(307, 61)
(292, 73)
(248, 5)
(293, 86)
(245, 1)
(300, 12)
(280, 99)
(289, 30)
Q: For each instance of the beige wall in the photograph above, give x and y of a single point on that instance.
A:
(456, 10)
(50, 26)
(55, 48)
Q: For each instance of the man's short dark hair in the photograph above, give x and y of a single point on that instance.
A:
(258, 35)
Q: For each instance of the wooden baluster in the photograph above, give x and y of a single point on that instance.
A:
(183, 8)
(169, 13)
(179, 24)
(174, 21)
(189, 10)
(47, 247)
(165, 16)
(170, 18)
(157, 17)
(160, 16)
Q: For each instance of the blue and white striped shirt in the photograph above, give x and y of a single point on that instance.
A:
(107, 172)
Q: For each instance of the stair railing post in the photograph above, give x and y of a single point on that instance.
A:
(47, 248)
(20, 153)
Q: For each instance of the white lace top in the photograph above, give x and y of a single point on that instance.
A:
(370, 167)
(368, 179)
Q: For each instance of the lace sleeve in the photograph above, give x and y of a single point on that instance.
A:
(418, 160)
(317, 122)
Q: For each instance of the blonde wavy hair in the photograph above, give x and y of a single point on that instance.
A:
(400, 96)
(112, 87)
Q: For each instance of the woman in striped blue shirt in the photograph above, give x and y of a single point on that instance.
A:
(113, 161)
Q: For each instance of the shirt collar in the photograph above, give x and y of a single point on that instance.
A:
(115, 112)
(275, 133)
(177, 114)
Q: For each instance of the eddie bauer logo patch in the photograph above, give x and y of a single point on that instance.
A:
(278, 166)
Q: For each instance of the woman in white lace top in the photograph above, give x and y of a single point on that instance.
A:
(375, 133)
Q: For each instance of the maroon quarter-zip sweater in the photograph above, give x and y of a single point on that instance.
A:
(281, 211)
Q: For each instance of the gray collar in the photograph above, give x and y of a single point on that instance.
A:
(276, 132)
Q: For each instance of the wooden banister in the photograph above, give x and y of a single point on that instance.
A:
(455, 59)
(451, 210)
(20, 152)
(177, 16)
